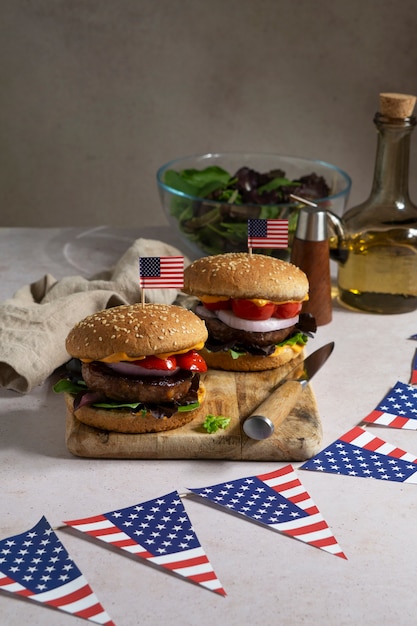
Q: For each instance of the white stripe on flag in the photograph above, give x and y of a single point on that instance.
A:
(195, 553)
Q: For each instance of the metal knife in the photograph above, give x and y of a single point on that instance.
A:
(285, 395)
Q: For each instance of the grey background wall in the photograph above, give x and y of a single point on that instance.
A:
(96, 94)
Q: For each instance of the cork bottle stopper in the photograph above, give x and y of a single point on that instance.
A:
(396, 105)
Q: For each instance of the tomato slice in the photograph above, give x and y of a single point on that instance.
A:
(191, 361)
(219, 304)
(249, 310)
(155, 363)
(287, 310)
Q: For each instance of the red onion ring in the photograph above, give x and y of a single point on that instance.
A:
(131, 369)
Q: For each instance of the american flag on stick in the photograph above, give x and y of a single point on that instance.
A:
(164, 272)
(398, 409)
(359, 453)
(279, 501)
(159, 531)
(35, 564)
(267, 233)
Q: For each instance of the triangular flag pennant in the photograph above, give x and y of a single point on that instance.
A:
(35, 564)
(279, 501)
(398, 409)
(359, 453)
(159, 531)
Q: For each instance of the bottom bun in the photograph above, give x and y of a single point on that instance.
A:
(223, 360)
(117, 420)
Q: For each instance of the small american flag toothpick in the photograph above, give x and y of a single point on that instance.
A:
(165, 272)
(272, 233)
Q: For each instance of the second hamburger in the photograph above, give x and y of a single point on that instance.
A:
(251, 304)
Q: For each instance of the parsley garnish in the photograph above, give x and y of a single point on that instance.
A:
(212, 423)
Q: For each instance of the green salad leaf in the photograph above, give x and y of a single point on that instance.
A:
(299, 338)
(65, 385)
(188, 407)
(215, 217)
(114, 404)
(275, 183)
(198, 183)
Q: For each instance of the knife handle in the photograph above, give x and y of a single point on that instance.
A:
(279, 404)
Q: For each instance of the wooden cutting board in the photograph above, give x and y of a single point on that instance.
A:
(234, 395)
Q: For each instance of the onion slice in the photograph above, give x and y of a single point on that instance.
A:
(255, 326)
(203, 312)
(130, 369)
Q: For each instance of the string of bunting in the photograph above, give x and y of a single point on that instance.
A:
(36, 565)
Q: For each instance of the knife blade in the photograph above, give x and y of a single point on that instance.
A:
(284, 396)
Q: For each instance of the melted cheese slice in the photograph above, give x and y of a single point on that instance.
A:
(210, 299)
(296, 348)
(122, 356)
(257, 301)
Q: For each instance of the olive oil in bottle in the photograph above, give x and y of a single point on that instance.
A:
(378, 270)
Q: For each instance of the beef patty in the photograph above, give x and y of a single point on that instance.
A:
(154, 389)
(225, 334)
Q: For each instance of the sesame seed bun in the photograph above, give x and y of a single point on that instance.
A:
(244, 275)
(223, 360)
(135, 330)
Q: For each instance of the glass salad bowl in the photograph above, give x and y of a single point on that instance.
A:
(209, 198)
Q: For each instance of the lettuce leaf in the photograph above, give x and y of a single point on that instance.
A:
(67, 386)
(298, 338)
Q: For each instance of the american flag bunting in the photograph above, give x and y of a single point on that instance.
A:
(159, 531)
(267, 233)
(359, 453)
(413, 379)
(165, 272)
(35, 564)
(398, 409)
(279, 501)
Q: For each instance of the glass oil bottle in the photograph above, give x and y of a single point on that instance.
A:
(378, 263)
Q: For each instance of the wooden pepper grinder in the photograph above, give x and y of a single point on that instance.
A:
(310, 252)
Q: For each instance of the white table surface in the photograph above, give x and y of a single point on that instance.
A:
(269, 578)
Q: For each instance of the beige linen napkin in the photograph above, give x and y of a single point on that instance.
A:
(34, 323)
